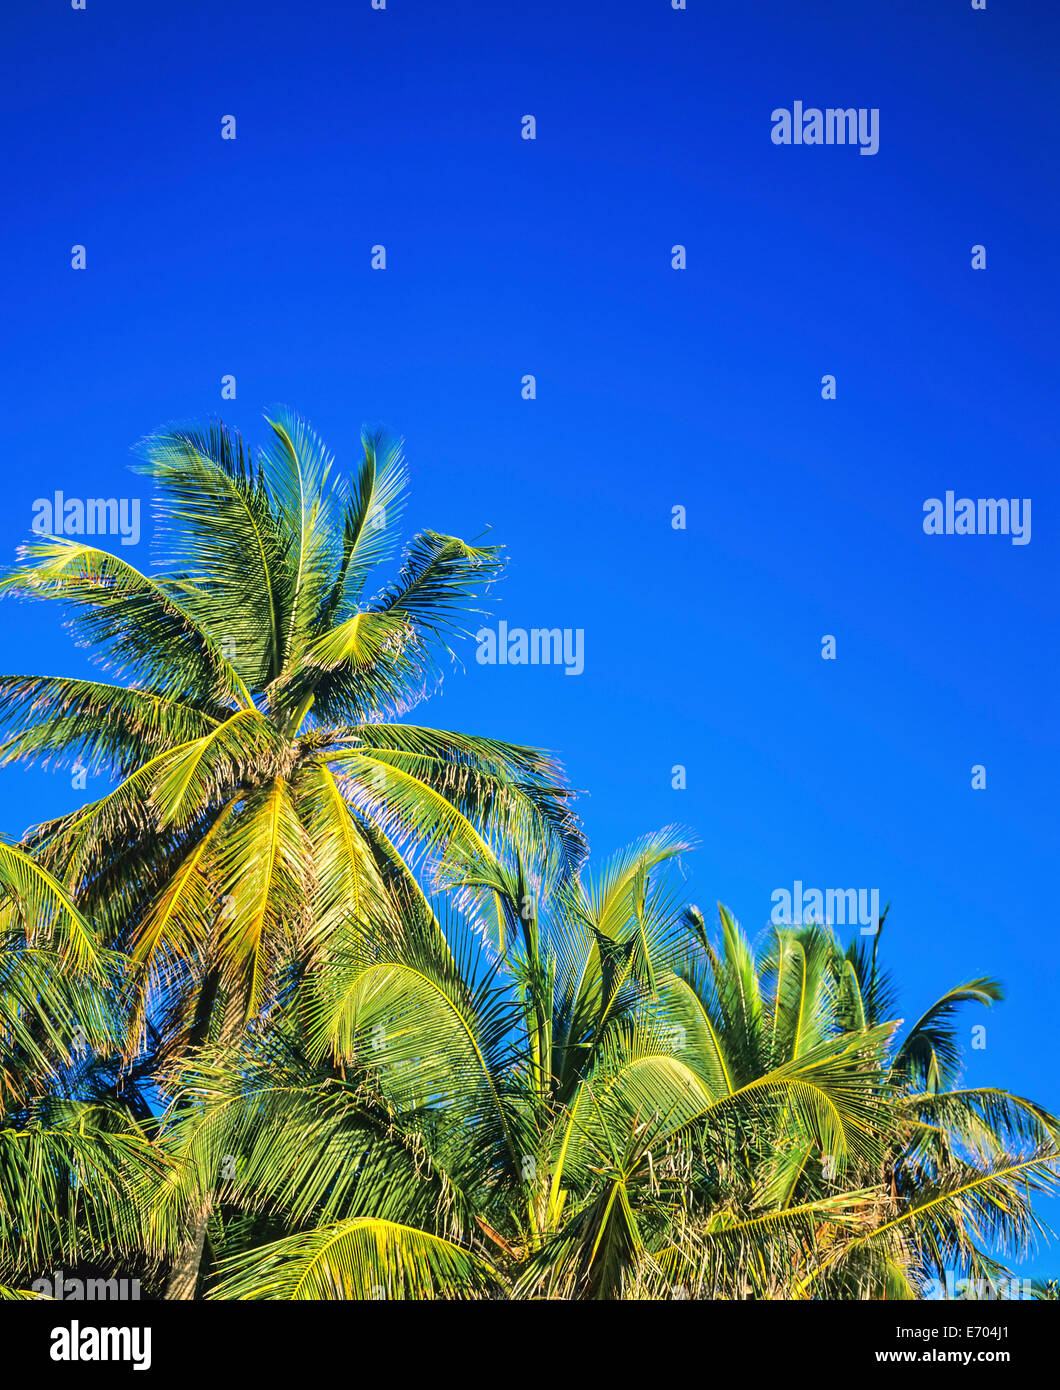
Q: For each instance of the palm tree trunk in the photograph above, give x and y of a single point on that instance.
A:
(184, 1276)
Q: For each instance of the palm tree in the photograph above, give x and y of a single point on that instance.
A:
(269, 802)
(401, 1127)
(670, 1123)
(76, 1168)
(963, 1163)
(585, 1107)
(938, 1171)
(602, 1102)
(407, 1047)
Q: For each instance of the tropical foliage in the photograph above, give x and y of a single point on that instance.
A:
(318, 1003)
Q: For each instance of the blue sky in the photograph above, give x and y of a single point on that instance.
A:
(655, 388)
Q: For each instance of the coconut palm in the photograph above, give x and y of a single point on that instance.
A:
(561, 1112)
(75, 1166)
(399, 1122)
(406, 1045)
(662, 1151)
(602, 1102)
(269, 798)
(964, 1162)
(947, 1171)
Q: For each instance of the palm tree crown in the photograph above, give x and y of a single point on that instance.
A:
(269, 797)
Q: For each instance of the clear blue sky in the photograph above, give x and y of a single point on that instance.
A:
(655, 388)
